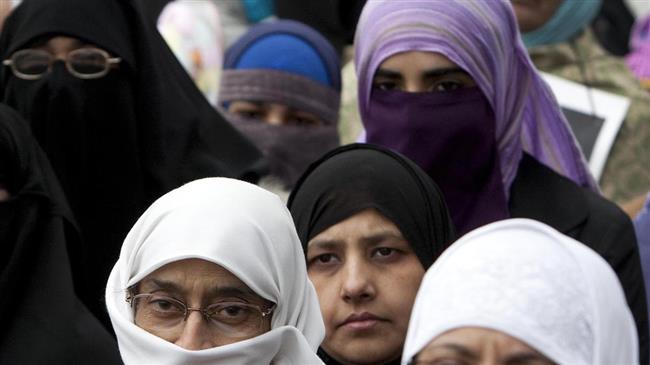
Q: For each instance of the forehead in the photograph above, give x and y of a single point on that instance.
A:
(417, 61)
(476, 339)
(364, 224)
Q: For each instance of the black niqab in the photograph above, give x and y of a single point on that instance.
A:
(119, 142)
(42, 319)
(356, 177)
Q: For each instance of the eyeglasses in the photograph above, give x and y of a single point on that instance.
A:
(84, 63)
(162, 314)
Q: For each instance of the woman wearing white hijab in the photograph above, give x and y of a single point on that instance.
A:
(520, 289)
(246, 235)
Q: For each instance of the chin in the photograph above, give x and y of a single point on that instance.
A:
(365, 351)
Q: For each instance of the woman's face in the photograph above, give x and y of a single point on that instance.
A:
(478, 346)
(273, 113)
(533, 14)
(366, 276)
(231, 311)
(417, 71)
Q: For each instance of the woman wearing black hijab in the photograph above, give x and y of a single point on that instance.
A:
(370, 222)
(120, 137)
(41, 317)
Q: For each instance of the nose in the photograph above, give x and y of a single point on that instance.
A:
(357, 285)
(196, 333)
(276, 115)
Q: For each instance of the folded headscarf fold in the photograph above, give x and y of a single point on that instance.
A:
(571, 17)
(356, 177)
(482, 38)
(525, 279)
(249, 232)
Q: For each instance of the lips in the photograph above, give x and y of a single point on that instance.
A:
(361, 321)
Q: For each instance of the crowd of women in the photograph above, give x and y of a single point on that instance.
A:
(165, 202)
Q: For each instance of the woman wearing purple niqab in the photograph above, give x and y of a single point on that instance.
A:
(484, 126)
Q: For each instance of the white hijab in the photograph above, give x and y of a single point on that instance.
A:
(242, 228)
(527, 280)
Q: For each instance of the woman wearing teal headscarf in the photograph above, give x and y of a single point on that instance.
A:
(560, 42)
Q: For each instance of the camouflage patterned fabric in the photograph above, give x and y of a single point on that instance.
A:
(583, 60)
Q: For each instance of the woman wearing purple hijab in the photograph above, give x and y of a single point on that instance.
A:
(450, 85)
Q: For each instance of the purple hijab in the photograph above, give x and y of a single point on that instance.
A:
(482, 38)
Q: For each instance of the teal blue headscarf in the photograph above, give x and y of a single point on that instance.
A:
(569, 19)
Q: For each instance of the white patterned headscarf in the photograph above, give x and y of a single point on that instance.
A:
(525, 279)
(247, 231)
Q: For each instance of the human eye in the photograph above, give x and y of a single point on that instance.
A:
(385, 85)
(446, 86)
(246, 110)
(164, 305)
(230, 312)
(303, 120)
(324, 260)
(384, 252)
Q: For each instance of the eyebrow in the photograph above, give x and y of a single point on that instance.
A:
(524, 358)
(387, 73)
(229, 290)
(377, 238)
(459, 350)
(443, 71)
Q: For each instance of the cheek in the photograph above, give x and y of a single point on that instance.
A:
(326, 289)
(399, 286)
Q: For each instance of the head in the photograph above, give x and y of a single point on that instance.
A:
(475, 345)
(517, 291)
(208, 266)
(281, 87)
(451, 50)
(229, 311)
(533, 14)
(544, 22)
(366, 251)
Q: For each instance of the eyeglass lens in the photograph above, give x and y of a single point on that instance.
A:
(160, 313)
(86, 62)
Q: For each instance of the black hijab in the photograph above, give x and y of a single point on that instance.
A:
(118, 142)
(356, 177)
(41, 317)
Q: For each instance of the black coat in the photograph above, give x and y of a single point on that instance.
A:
(590, 219)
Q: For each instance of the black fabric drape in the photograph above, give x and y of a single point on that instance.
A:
(335, 19)
(119, 142)
(612, 27)
(42, 319)
(355, 177)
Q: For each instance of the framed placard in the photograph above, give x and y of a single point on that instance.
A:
(595, 117)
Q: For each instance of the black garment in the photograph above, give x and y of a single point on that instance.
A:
(328, 360)
(42, 319)
(119, 142)
(335, 19)
(590, 219)
(356, 177)
(613, 26)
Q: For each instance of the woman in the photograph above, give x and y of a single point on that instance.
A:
(42, 319)
(370, 222)
(450, 85)
(518, 291)
(281, 87)
(115, 113)
(212, 273)
(560, 42)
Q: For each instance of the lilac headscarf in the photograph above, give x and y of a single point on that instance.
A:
(482, 38)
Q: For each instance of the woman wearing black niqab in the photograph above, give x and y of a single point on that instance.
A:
(370, 222)
(120, 141)
(42, 319)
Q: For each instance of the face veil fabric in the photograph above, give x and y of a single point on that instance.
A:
(118, 142)
(527, 280)
(42, 317)
(247, 231)
(356, 177)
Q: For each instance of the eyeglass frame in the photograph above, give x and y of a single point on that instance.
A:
(110, 63)
(187, 309)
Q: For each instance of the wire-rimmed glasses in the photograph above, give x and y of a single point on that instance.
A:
(83, 63)
(163, 314)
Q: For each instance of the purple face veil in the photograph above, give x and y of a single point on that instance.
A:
(482, 38)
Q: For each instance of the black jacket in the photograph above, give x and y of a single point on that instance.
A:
(590, 219)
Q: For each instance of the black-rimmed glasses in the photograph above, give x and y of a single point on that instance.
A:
(84, 63)
(160, 313)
